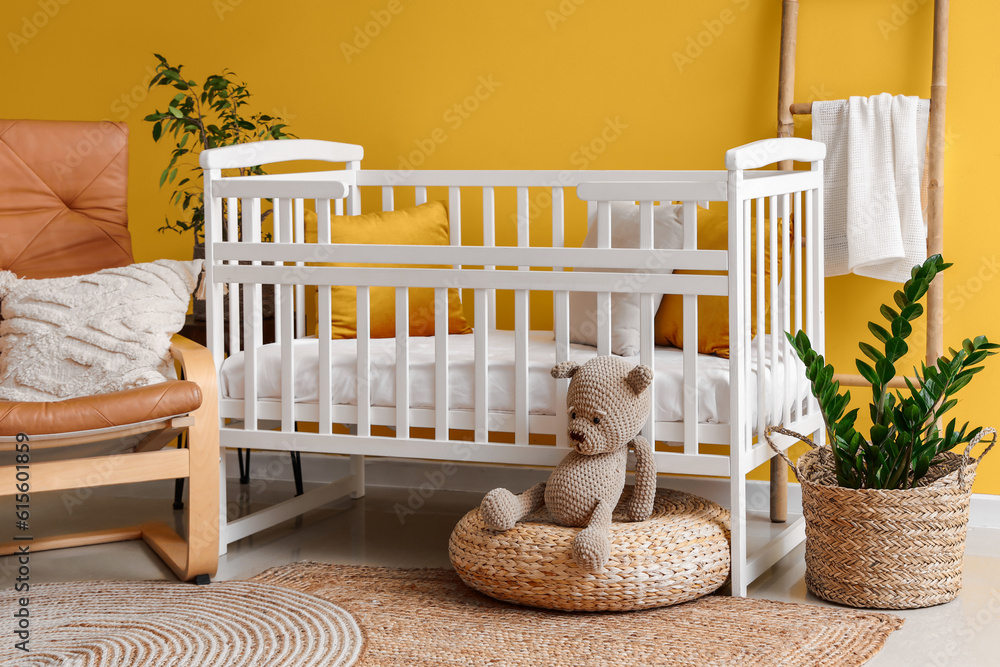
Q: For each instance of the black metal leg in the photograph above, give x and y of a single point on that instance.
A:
(179, 483)
(297, 471)
(244, 468)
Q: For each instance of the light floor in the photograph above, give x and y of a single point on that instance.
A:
(965, 632)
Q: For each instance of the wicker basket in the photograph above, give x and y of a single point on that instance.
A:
(680, 553)
(885, 549)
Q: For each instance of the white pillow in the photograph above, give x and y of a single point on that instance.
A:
(107, 331)
(668, 232)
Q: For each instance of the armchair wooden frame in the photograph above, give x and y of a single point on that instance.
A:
(194, 558)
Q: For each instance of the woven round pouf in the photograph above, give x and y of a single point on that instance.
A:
(679, 554)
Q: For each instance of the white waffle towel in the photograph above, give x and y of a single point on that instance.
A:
(874, 162)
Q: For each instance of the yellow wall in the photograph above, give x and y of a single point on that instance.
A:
(560, 69)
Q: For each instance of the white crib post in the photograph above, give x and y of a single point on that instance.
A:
(214, 323)
(739, 428)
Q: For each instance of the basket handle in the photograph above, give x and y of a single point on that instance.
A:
(966, 458)
(797, 436)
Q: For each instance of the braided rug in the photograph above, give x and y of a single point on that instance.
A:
(428, 617)
(166, 624)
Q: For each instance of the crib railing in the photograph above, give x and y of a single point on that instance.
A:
(763, 195)
(495, 252)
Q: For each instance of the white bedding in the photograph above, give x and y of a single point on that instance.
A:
(713, 376)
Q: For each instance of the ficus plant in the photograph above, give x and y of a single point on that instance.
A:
(904, 438)
(198, 117)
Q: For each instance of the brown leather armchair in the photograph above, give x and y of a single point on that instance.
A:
(63, 212)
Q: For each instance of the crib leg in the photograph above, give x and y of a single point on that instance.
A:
(179, 482)
(358, 473)
(779, 490)
(296, 471)
(244, 468)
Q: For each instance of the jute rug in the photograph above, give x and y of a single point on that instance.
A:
(163, 624)
(429, 617)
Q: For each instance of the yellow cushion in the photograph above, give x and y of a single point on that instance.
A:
(713, 311)
(426, 224)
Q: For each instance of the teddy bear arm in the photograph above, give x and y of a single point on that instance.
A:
(640, 505)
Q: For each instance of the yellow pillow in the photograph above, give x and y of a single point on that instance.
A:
(713, 311)
(426, 224)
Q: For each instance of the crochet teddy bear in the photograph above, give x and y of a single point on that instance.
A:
(608, 404)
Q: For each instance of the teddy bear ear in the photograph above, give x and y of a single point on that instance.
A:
(639, 378)
(565, 370)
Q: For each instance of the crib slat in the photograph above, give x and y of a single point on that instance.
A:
(232, 236)
(810, 271)
(364, 361)
(647, 310)
(646, 313)
(402, 363)
(256, 237)
(282, 226)
(441, 393)
(690, 212)
(252, 333)
(481, 331)
(324, 326)
(748, 288)
(388, 198)
(603, 318)
(561, 322)
(455, 215)
(797, 244)
(690, 352)
(521, 407)
(761, 358)
(558, 217)
(300, 290)
(287, 358)
(775, 301)
(786, 309)
(353, 199)
(420, 195)
(523, 224)
(489, 241)
(338, 207)
(560, 316)
(820, 262)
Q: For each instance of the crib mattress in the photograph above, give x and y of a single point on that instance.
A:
(713, 376)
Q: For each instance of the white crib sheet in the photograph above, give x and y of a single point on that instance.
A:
(713, 376)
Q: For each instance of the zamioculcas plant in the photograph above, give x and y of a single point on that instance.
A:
(904, 438)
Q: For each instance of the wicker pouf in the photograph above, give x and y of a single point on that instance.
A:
(680, 553)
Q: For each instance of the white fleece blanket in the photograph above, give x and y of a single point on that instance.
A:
(874, 163)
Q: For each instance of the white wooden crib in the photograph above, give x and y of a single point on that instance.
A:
(416, 383)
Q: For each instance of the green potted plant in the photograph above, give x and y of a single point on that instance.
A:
(198, 117)
(886, 513)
